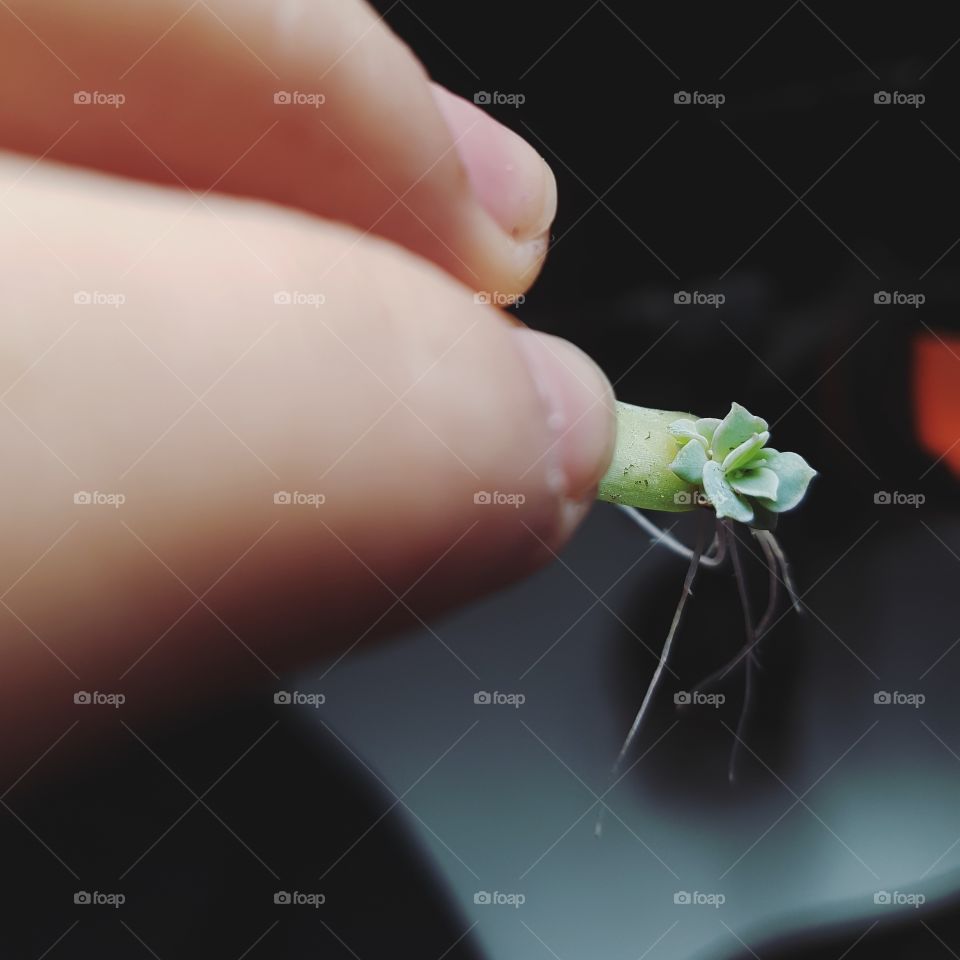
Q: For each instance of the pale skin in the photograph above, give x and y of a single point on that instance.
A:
(199, 397)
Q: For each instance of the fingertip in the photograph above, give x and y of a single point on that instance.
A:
(578, 404)
(509, 178)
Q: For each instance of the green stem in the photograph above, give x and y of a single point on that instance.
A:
(640, 474)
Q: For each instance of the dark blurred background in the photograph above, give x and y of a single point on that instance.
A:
(799, 200)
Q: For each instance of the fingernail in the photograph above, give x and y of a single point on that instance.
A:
(511, 180)
(579, 407)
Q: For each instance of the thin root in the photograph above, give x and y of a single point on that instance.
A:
(748, 647)
(767, 539)
(724, 541)
(773, 597)
(695, 560)
(712, 558)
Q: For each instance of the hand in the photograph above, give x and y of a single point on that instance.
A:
(241, 431)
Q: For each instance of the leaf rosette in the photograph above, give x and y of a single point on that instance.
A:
(740, 476)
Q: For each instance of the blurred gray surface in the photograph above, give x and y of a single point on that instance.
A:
(857, 797)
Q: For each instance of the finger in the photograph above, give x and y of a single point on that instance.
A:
(315, 437)
(180, 92)
(510, 178)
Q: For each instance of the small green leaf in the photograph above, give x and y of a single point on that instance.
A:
(795, 475)
(743, 454)
(688, 464)
(738, 425)
(685, 430)
(706, 427)
(725, 501)
(761, 482)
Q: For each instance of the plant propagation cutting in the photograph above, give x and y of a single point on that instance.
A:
(668, 461)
